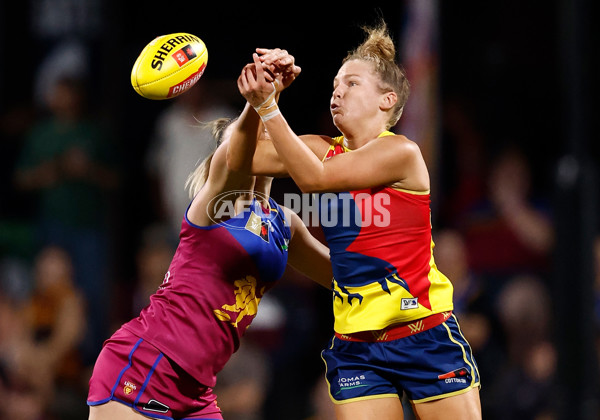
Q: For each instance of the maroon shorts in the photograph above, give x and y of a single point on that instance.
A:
(131, 371)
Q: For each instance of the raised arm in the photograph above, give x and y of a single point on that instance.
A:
(242, 141)
(279, 71)
(280, 63)
(230, 168)
(266, 160)
(388, 160)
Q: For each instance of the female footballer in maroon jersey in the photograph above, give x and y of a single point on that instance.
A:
(163, 364)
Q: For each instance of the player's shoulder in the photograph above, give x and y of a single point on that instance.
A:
(289, 214)
(390, 136)
(319, 144)
(399, 142)
(292, 219)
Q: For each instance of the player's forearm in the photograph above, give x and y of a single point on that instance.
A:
(266, 160)
(242, 143)
(301, 163)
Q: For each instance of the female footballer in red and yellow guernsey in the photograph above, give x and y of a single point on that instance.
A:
(382, 256)
(395, 332)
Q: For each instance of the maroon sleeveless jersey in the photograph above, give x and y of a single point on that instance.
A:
(211, 292)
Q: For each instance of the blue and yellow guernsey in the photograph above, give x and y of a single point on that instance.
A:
(382, 256)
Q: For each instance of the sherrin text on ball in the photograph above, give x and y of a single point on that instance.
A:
(169, 65)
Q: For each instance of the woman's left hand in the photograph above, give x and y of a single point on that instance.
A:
(255, 83)
(281, 64)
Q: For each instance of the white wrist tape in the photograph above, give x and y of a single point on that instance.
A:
(268, 109)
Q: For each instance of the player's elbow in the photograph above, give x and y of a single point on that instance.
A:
(311, 181)
(309, 186)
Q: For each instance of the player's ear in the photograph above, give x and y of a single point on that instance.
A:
(388, 100)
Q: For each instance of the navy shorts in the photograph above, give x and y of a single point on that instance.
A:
(131, 371)
(430, 365)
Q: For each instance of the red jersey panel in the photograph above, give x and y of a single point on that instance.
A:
(382, 256)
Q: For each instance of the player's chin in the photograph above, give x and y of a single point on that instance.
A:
(338, 120)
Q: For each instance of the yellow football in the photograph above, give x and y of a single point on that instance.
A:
(169, 65)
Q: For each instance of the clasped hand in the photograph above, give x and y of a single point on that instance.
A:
(271, 70)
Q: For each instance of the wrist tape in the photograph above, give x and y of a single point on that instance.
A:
(268, 109)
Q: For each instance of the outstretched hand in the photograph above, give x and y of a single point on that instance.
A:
(281, 64)
(256, 84)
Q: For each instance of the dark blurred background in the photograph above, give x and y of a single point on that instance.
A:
(503, 105)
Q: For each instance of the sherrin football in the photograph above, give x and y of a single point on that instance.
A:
(169, 65)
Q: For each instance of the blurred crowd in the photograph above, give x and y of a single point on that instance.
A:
(65, 284)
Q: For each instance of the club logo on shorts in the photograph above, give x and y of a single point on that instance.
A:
(155, 406)
(457, 375)
(409, 303)
(129, 387)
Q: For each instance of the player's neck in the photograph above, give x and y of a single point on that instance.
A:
(262, 187)
(357, 139)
